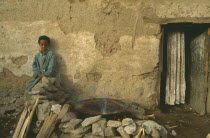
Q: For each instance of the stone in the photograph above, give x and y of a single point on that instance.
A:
(43, 110)
(3, 93)
(51, 88)
(122, 132)
(151, 126)
(45, 80)
(173, 133)
(53, 135)
(68, 116)
(39, 123)
(91, 120)
(70, 126)
(74, 123)
(130, 129)
(70, 135)
(136, 109)
(56, 108)
(127, 121)
(113, 123)
(110, 132)
(139, 122)
(65, 135)
(99, 127)
(37, 87)
(90, 135)
(155, 134)
(81, 130)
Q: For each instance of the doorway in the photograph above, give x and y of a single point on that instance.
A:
(196, 43)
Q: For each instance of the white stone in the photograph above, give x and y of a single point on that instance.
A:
(127, 121)
(110, 132)
(130, 128)
(173, 132)
(91, 120)
(43, 110)
(113, 123)
(99, 127)
(122, 132)
(56, 108)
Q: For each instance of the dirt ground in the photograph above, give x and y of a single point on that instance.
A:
(182, 119)
(185, 122)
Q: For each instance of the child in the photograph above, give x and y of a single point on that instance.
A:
(43, 64)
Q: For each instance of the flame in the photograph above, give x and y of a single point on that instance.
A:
(121, 116)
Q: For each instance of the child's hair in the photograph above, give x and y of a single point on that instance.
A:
(44, 37)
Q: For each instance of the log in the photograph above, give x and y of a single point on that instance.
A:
(63, 111)
(20, 123)
(30, 117)
(48, 126)
(145, 116)
(51, 121)
(23, 129)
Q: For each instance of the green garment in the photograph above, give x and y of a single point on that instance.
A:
(44, 64)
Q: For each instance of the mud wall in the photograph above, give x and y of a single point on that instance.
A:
(104, 48)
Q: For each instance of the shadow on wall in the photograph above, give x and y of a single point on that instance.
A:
(61, 72)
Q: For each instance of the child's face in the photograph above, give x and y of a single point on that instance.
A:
(43, 45)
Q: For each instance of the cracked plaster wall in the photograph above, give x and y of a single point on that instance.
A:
(104, 48)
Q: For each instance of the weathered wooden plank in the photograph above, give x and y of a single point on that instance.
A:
(198, 92)
(20, 123)
(23, 129)
(31, 116)
(208, 94)
(48, 127)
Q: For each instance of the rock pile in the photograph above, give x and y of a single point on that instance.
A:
(98, 127)
(49, 89)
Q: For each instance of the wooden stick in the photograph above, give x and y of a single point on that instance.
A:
(145, 116)
(23, 128)
(63, 111)
(30, 117)
(48, 127)
(20, 123)
(141, 132)
(51, 121)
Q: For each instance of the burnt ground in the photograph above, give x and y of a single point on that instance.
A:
(182, 119)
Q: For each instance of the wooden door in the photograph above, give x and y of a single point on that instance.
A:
(208, 72)
(198, 91)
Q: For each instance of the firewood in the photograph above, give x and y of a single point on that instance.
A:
(145, 116)
(23, 129)
(48, 126)
(20, 123)
(30, 117)
(141, 133)
(51, 121)
(63, 111)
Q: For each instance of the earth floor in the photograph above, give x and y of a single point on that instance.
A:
(182, 119)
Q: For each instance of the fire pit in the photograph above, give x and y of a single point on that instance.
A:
(101, 106)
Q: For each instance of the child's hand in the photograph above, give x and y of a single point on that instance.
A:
(41, 75)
